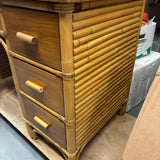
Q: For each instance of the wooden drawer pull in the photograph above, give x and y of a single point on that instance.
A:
(41, 122)
(34, 86)
(26, 38)
(2, 33)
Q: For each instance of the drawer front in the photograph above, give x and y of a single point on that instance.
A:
(46, 122)
(41, 85)
(33, 25)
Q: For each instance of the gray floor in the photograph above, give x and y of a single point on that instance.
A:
(135, 111)
(13, 146)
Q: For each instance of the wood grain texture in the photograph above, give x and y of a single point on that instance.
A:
(56, 129)
(52, 96)
(43, 26)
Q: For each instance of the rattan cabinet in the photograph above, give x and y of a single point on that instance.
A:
(72, 62)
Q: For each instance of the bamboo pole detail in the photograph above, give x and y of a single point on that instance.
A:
(65, 27)
(106, 93)
(81, 137)
(93, 36)
(92, 13)
(92, 97)
(100, 123)
(95, 61)
(106, 24)
(131, 40)
(108, 78)
(104, 72)
(101, 18)
(95, 4)
(101, 69)
(106, 50)
(99, 108)
(104, 38)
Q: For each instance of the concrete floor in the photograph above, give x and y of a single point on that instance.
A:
(135, 111)
(13, 146)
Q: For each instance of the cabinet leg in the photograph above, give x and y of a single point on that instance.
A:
(74, 156)
(122, 111)
(31, 133)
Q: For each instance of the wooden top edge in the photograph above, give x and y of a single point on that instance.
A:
(59, 1)
(60, 6)
(65, 1)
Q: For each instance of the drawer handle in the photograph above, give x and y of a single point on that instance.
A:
(32, 84)
(2, 34)
(41, 122)
(26, 38)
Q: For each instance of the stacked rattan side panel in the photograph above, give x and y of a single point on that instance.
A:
(104, 42)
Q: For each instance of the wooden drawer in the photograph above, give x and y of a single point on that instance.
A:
(41, 118)
(40, 25)
(52, 95)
